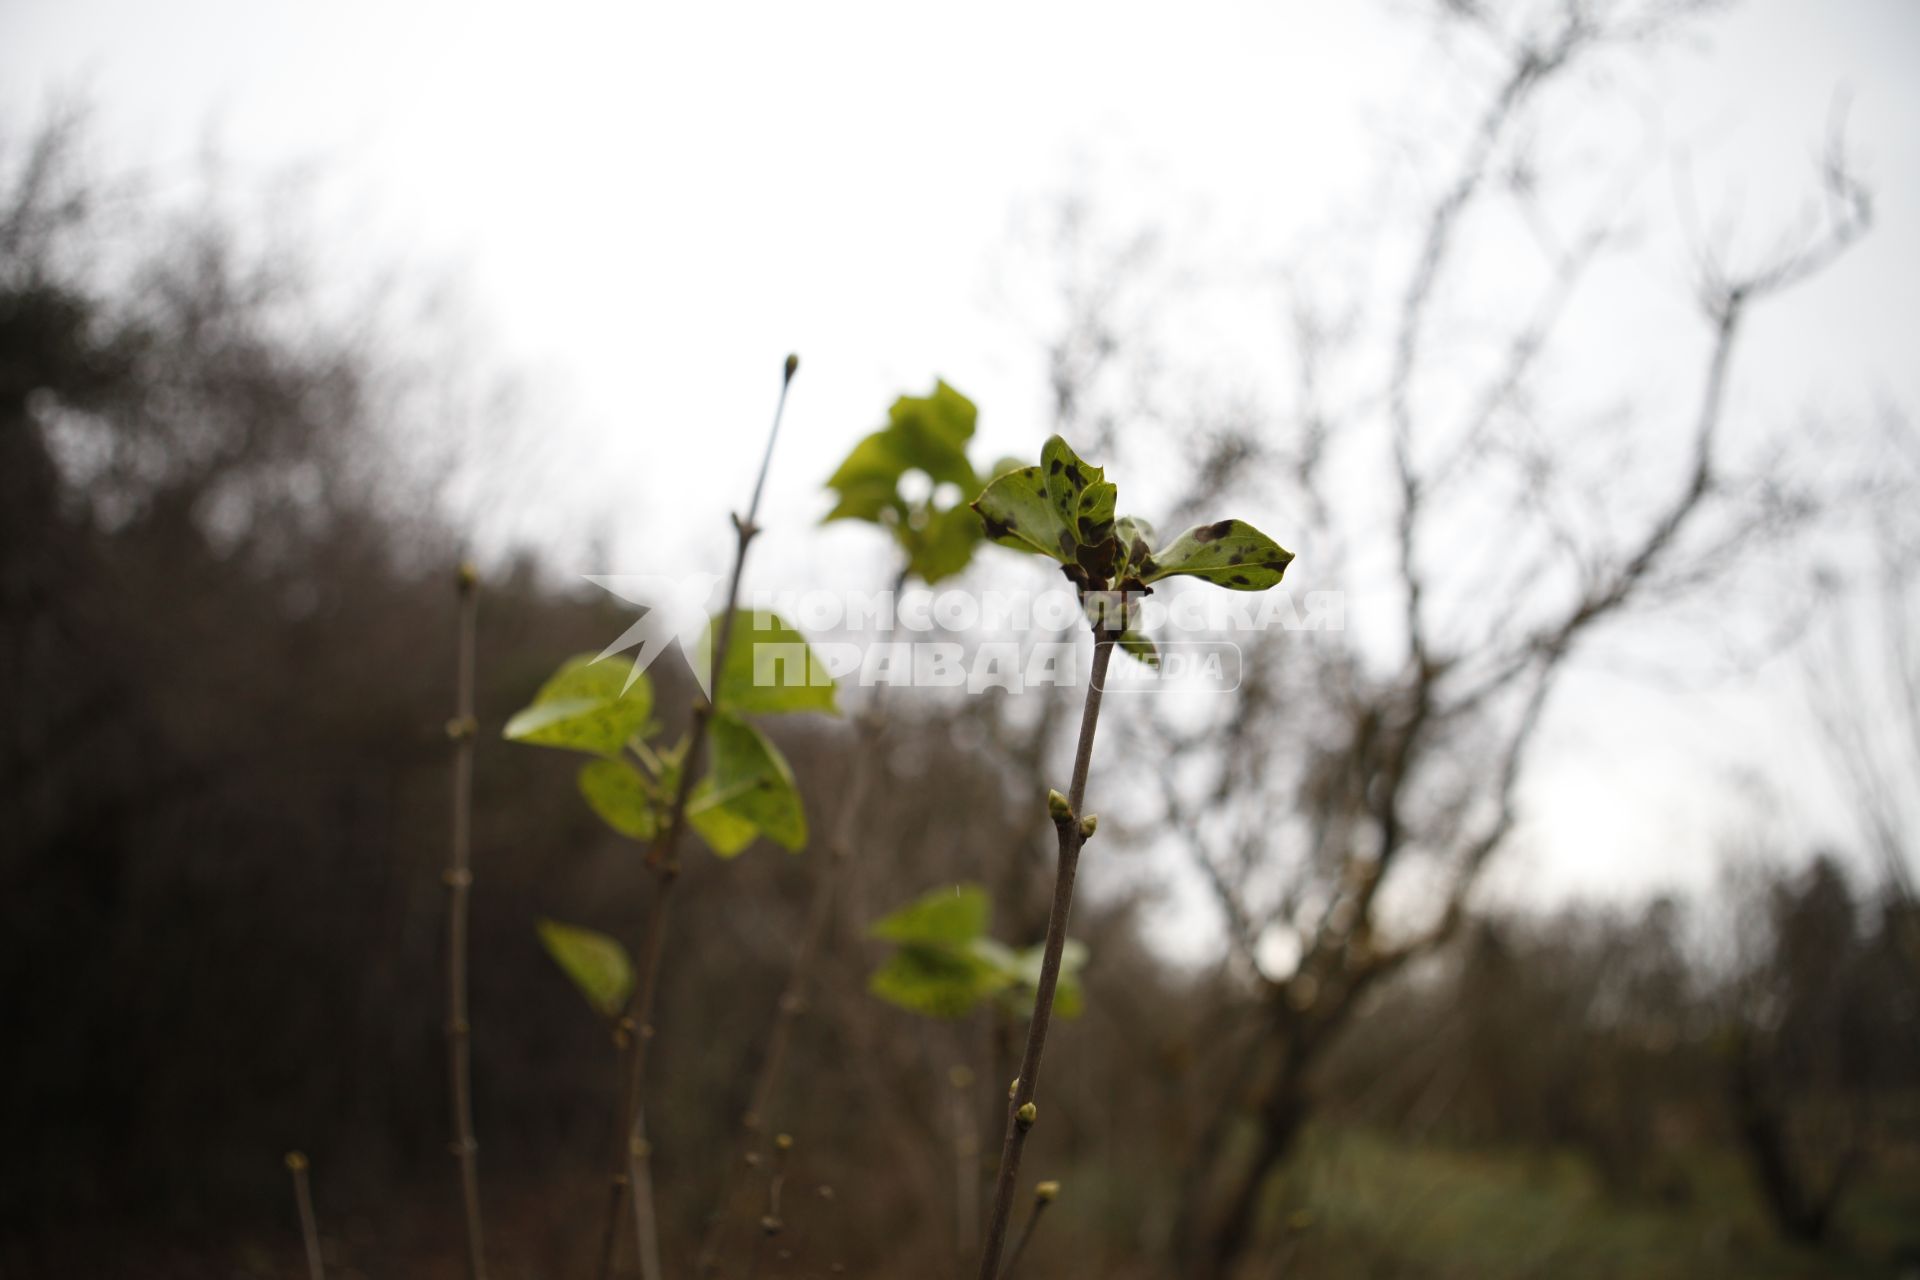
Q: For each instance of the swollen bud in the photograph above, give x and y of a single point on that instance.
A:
(783, 1142)
(296, 1161)
(793, 366)
(1026, 1115)
(1088, 825)
(1045, 1192)
(468, 576)
(1058, 807)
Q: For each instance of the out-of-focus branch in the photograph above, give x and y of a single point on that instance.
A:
(1529, 70)
(459, 882)
(309, 1226)
(632, 1162)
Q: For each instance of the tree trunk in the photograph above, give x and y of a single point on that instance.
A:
(1211, 1243)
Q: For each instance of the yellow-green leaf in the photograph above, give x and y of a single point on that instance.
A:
(750, 784)
(596, 963)
(723, 832)
(590, 704)
(624, 799)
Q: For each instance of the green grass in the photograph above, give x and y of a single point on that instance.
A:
(1357, 1204)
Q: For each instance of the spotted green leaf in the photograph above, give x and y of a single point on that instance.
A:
(1228, 553)
(1015, 512)
(1095, 523)
(1136, 545)
(590, 704)
(624, 799)
(1067, 478)
(596, 963)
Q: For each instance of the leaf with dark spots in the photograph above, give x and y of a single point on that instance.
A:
(1228, 553)
(1214, 532)
(1015, 512)
(1067, 479)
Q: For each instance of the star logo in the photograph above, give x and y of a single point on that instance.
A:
(676, 609)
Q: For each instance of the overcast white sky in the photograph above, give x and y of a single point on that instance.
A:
(646, 207)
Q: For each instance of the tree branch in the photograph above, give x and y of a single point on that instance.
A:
(1021, 1108)
(459, 881)
(631, 1167)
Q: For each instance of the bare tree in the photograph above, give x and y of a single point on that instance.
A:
(1340, 771)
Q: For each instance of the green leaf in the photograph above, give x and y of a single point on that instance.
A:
(947, 964)
(750, 783)
(770, 668)
(624, 798)
(923, 433)
(944, 547)
(723, 832)
(949, 916)
(1135, 537)
(933, 431)
(1228, 553)
(588, 705)
(937, 982)
(1015, 512)
(596, 963)
(1095, 522)
(1067, 478)
(876, 461)
(867, 500)
(1062, 508)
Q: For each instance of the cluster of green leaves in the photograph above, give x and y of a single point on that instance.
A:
(925, 436)
(601, 707)
(1065, 508)
(945, 964)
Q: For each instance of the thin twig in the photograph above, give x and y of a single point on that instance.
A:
(1021, 1108)
(309, 1228)
(632, 1167)
(1042, 1197)
(459, 881)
